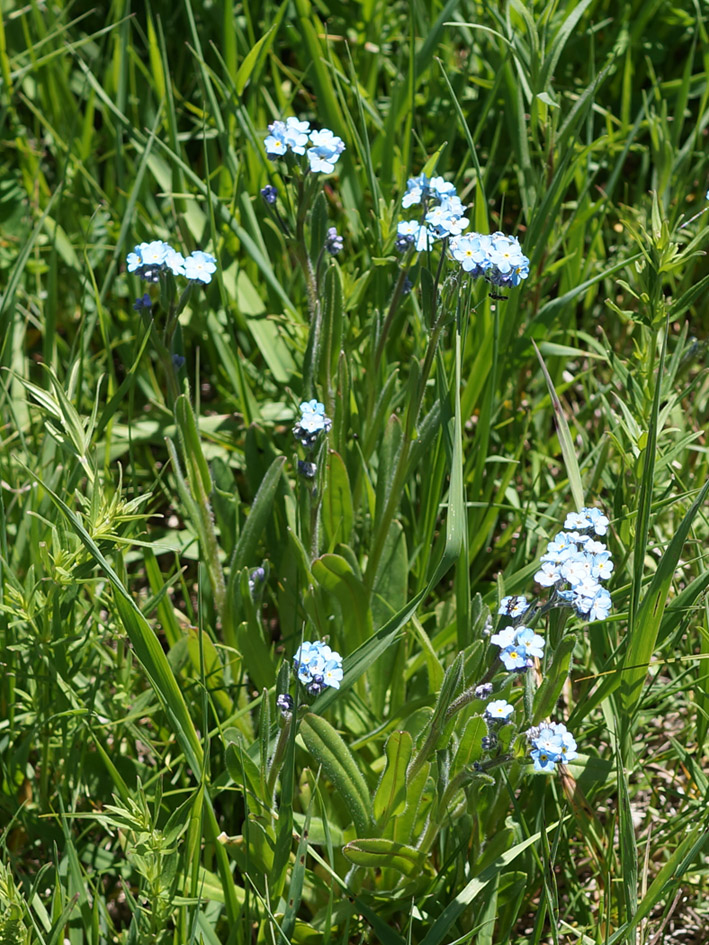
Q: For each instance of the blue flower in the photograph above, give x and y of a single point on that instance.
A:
(519, 646)
(290, 134)
(513, 606)
(325, 151)
(531, 641)
(256, 579)
(444, 216)
(306, 469)
(499, 709)
(552, 743)
(577, 559)
(144, 302)
(199, 266)
(515, 657)
(588, 520)
(548, 574)
(318, 666)
(506, 637)
(175, 262)
(421, 188)
(285, 703)
(312, 422)
(323, 146)
(148, 259)
(496, 257)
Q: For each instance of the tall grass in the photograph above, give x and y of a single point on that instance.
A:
(151, 789)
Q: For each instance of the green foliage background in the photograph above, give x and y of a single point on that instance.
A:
(149, 791)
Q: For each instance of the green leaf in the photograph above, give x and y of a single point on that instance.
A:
(650, 612)
(390, 796)
(336, 507)
(439, 929)
(330, 750)
(335, 574)
(565, 441)
(380, 853)
(197, 468)
(556, 675)
(259, 515)
(255, 55)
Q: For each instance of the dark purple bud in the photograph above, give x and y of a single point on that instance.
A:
(144, 302)
(285, 703)
(269, 193)
(307, 469)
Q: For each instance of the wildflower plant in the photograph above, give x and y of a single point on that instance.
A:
(283, 656)
(157, 262)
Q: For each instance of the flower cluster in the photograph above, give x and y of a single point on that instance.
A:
(575, 563)
(317, 666)
(443, 213)
(518, 647)
(323, 147)
(553, 743)
(150, 260)
(497, 258)
(312, 422)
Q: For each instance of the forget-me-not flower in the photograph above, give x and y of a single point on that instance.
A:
(552, 743)
(312, 422)
(499, 709)
(318, 666)
(199, 266)
(575, 563)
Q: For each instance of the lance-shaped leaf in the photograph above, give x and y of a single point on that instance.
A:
(549, 691)
(330, 750)
(390, 797)
(386, 854)
(649, 615)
